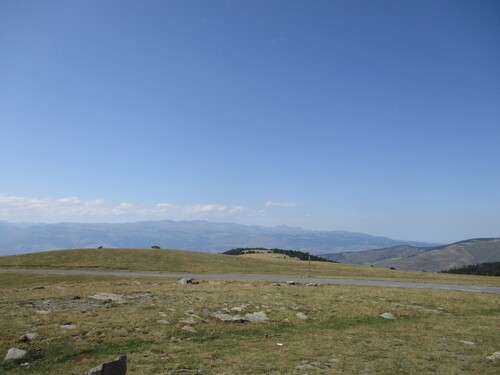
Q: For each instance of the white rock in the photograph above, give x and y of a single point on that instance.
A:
(68, 326)
(162, 321)
(31, 335)
(14, 353)
(188, 329)
(466, 342)
(184, 281)
(257, 317)
(28, 337)
(229, 318)
(301, 315)
(495, 355)
(387, 316)
(108, 297)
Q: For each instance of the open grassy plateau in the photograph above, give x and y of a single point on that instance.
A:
(167, 328)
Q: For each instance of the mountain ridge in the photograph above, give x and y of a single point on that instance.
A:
(198, 235)
(433, 258)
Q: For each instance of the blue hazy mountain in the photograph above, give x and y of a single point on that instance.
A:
(185, 235)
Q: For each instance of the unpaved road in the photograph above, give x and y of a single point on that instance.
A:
(271, 278)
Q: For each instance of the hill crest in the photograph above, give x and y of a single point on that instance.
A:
(436, 258)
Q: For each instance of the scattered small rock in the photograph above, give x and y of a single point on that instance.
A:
(42, 312)
(291, 282)
(316, 365)
(188, 321)
(229, 318)
(387, 316)
(68, 326)
(189, 329)
(257, 317)
(116, 367)
(301, 316)
(108, 297)
(14, 353)
(25, 365)
(466, 342)
(495, 355)
(162, 321)
(38, 287)
(313, 284)
(28, 337)
(184, 281)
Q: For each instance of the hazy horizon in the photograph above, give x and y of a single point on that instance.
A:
(377, 117)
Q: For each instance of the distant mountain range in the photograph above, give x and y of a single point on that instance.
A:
(17, 238)
(437, 258)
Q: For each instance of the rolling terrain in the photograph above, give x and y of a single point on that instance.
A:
(180, 261)
(187, 235)
(69, 323)
(434, 259)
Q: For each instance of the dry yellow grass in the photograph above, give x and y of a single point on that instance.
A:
(432, 332)
(196, 262)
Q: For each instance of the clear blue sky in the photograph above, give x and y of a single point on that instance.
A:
(375, 116)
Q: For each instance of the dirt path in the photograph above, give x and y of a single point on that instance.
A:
(271, 278)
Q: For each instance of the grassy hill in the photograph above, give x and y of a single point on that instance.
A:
(427, 258)
(196, 262)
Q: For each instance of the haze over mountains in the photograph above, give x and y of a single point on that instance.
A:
(17, 238)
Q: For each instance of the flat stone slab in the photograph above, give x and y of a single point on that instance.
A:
(257, 317)
(229, 318)
(14, 353)
(108, 297)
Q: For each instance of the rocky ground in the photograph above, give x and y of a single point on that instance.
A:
(197, 326)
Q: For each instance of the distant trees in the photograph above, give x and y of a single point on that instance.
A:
(291, 253)
(155, 247)
(481, 269)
